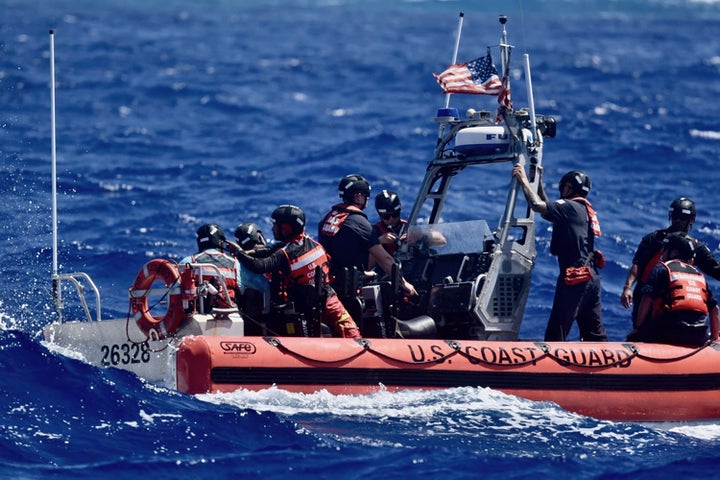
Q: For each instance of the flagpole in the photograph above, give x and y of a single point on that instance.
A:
(455, 52)
(505, 49)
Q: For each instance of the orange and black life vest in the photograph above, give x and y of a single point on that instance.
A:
(592, 216)
(304, 260)
(687, 289)
(226, 265)
(334, 220)
(648, 268)
(383, 229)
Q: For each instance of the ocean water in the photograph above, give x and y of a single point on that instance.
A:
(174, 113)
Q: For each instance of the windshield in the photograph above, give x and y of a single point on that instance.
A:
(446, 238)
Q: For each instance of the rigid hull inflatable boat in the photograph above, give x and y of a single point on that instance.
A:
(461, 330)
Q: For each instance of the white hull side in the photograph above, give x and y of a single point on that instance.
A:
(119, 343)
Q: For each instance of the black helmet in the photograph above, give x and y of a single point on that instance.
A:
(579, 182)
(352, 184)
(387, 202)
(290, 215)
(682, 208)
(684, 244)
(209, 236)
(248, 235)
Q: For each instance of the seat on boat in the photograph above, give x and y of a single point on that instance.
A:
(251, 305)
(423, 326)
(302, 313)
(348, 284)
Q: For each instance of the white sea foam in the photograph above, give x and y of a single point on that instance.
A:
(706, 134)
(470, 412)
(701, 430)
(6, 321)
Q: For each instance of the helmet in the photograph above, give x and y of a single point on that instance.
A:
(290, 215)
(209, 236)
(681, 208)
(387, 202)
(352, 184)
(248, 235)
(579, 182)
(684, 244)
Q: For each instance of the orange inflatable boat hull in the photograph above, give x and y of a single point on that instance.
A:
(614, 381)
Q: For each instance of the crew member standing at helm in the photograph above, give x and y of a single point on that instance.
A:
(345, 231)
(681, 216)
(295, 263)
(346, 234)
(575, 226)
(390, 230)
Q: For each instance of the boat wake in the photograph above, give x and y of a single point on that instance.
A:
(477, 414)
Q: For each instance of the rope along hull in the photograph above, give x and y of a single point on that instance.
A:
(614, 381)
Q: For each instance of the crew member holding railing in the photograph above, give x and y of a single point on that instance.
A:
(575, 226)
(346, 234)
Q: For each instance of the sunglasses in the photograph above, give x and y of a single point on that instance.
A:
(388, 216)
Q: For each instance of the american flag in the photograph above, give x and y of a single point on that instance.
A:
(478, 76)
(504, 96)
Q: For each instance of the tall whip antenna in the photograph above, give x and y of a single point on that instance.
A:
(445, 114)
(53, 146)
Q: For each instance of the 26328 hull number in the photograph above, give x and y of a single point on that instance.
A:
(125, 354)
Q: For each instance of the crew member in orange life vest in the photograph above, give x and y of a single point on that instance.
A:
(346, 233)
(390, 229)
(681, 215)
(296, 261)
(210, 239)
(575, 226)
(676, 302)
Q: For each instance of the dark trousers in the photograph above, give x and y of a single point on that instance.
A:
(682, 328)
(576, 302)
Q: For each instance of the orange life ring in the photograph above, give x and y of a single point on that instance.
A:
(167, 272)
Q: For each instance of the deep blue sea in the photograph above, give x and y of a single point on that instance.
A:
(172, 113)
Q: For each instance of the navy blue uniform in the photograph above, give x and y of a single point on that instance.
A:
(346, 235)
(572, 242)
